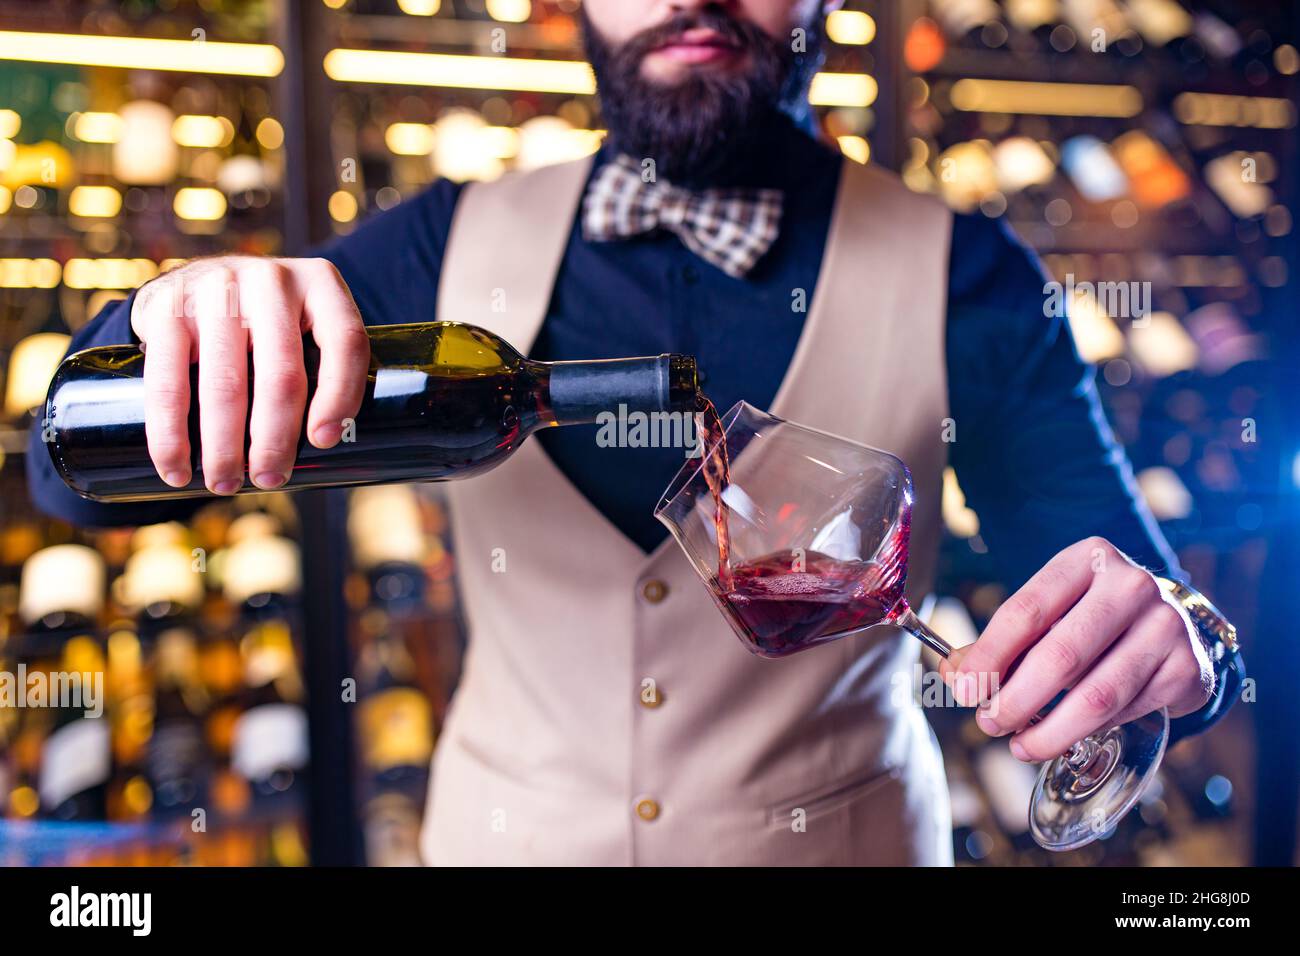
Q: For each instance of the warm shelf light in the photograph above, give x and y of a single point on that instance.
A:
(419, 8)
(270, 134)
(199, 203)
(510, 11)
(458, 71)
(146, 155)
(98, 202)
(1163, 346)
(843, 89)
(850, 27)
(31, 366)
(409, 139)
(855, 148)
(1096, 336)
(143, 53)
(343, 206)
(108, 273)
(550, 139)
(29, 273)
(97, 127)
(1046, 99)
(959, 519)
(202, 132)
(1222, 109)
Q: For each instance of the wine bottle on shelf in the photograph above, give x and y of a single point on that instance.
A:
(396, 734)
(163, 584)
(391, 548)
(442, 401)
(33, 647)
(8, 737)
(60, 602)
(268, 748)
(77, 759)
(21, 797)
(222, 672)
(178, 762)
(396, 720)
(130, 691)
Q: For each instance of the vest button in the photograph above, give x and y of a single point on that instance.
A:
(647, 809)
(651, 697)
(654, 591)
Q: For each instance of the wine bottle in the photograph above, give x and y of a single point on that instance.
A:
(396, 719)
(61, 599)
(391, 548)
(442, 401)
(178, 759)
(163, 585)
(268, 746)
(77, 758)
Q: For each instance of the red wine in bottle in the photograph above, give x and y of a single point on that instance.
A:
(442, 401)
(789, 601)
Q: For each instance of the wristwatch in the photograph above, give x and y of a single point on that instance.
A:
(1220, 640)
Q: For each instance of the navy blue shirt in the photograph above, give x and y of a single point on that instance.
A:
(1033, 452)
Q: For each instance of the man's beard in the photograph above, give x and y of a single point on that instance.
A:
(699, 129)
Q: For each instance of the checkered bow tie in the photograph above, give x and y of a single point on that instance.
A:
(730, 228)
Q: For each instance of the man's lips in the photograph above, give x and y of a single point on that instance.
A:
(697, 46)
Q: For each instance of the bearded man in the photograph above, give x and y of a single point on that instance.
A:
(606, 715)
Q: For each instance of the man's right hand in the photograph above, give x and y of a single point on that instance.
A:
(213, 311)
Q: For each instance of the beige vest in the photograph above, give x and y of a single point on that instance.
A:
(557, 748)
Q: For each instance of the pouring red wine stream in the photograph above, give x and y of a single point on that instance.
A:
(789, 600)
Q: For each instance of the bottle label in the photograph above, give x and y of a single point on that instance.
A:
(76, 757)
(269, 738)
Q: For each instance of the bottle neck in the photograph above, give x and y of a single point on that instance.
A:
(583, 392)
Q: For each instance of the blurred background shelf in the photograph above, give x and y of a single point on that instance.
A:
(1168, 163)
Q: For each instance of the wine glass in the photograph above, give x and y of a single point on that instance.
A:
(806, 541)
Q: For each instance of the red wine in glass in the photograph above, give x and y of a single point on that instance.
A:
(792, 600)
(788, 601)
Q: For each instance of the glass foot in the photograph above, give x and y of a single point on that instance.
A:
(1081, 795)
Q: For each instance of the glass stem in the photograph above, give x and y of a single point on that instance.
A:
(903, 616)
(1078, 756)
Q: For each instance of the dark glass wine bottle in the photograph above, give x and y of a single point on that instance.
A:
(442, 401)
(77, 757)
(177, 757)
(164, 583)
(269, 746)
(61, 600)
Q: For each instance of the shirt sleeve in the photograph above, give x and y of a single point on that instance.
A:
(112, 326)
(1034, 454)
(391, 264)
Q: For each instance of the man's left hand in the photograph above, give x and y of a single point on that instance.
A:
(1093, 622)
